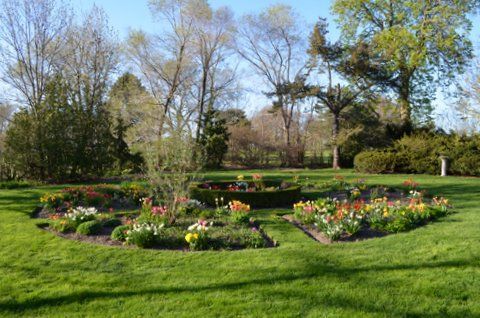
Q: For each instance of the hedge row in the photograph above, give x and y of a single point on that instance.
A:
(420, 153)
(258, 199)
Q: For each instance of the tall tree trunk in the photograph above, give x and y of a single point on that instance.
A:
(335, 148)
(404, 102)
(289, 153)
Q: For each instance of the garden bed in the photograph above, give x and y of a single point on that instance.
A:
(149, 225)
(360, 212)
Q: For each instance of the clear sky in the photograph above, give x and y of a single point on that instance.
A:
(126, 14)
(135, 14)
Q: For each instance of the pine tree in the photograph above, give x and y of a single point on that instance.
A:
(214, 139)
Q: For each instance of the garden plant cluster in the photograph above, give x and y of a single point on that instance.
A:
(370, 209)
(127, 214)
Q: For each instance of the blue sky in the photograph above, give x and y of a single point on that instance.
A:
(135, 14)
(126, 14)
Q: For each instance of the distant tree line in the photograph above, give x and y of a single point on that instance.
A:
(85, 104)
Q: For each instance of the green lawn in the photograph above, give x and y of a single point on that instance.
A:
(433, 271)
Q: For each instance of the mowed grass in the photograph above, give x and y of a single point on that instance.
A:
(433, 271)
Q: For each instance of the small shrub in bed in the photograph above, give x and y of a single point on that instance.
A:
(90, 228)
(111, 222)
(120, 233)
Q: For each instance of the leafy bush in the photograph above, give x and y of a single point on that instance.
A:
(420, 153)
(120, 233)
(375, 162)
(16, 184)
(111, 222)
(90, 228)
(259, 199)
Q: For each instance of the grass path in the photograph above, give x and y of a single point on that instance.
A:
(432, 271)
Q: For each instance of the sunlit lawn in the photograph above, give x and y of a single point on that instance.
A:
(429, 272)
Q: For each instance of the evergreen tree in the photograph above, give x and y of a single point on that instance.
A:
(214, 139)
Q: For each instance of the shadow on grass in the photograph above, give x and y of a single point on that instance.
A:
(313, 271)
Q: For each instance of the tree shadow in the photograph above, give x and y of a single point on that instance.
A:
(311, 271)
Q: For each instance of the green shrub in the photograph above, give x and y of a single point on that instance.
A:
(258, 199)
(90, 228)
(375, 162)
(171, 237)
(421, 152)
(111, 222)
(143, 239)
(16, 184)
(120, 233)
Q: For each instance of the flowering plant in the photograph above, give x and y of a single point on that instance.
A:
(143, 234)
(239, 212)
(305, 211)
(333, 217)
(220, 207)
(258, 181)
(153, 213)
(81, 214)
(441, 203)
(354, 193)
(134, 192)
(52, 201)
(410, 184)
(196, 236)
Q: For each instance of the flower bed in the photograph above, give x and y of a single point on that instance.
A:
(194, 228)
(103, 197)
(358, 215)
(258, 193)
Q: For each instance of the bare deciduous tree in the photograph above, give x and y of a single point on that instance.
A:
(165, 59)
(273, 43)
(32, 35)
